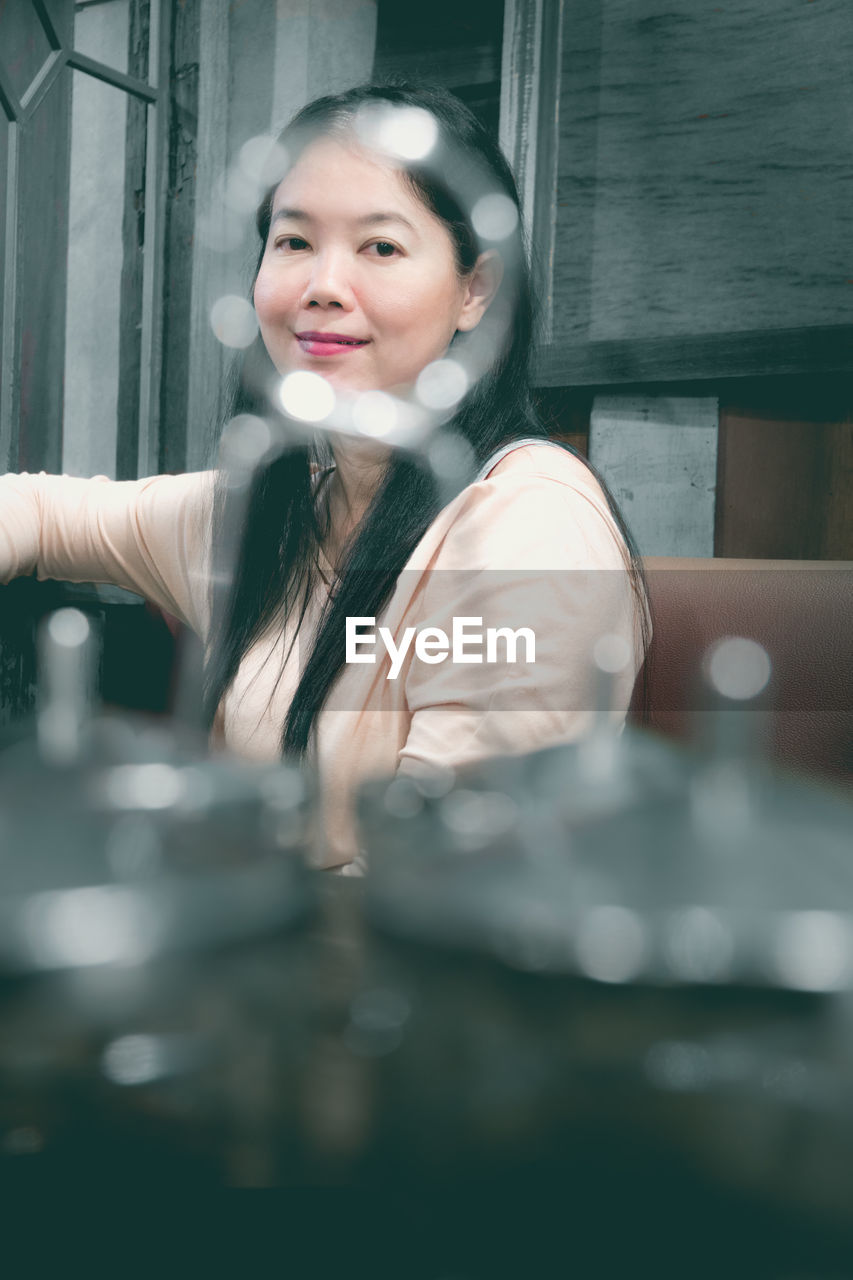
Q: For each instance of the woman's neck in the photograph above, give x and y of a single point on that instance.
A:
(359, 470)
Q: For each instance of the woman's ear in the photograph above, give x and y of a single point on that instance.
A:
(483, 283)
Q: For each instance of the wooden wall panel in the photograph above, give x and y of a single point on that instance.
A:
(133, 238)
(7, 306)
(837, 540)
(565, 412)
(703, 206)
(713, 144)
(785, 460)
(785, 479)
(179, 235)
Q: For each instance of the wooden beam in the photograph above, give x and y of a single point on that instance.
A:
(133, 245)
(130, 84)
(179, 234)
(720, 355)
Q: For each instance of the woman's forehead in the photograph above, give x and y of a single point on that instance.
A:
(345, 174)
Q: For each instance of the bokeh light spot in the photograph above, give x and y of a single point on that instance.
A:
(451, 456)
(264, 160)
(245, 441)
(234, 322)
(89, 926)
(442, 384)
(407, 133)
(375, 414)
(476, 818)
(306, 396)
(143, 786)
(698, 945)
(403, 799)
(68, 628)
(494, 217)
(610, 944)
(813, 950)
(737, 668)
(611, 654)
(132, 1060)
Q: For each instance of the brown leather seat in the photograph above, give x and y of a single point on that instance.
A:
(800, 611)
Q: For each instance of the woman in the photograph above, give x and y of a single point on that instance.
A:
(367, 273)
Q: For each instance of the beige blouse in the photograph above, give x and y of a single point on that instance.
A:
(533, 545)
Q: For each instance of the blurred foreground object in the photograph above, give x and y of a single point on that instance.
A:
(633, 983)
(140, 883)
(615, 974)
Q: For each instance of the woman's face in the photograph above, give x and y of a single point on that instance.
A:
(358, 280)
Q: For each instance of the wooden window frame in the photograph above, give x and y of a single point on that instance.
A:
(530, 100)
(140, 352)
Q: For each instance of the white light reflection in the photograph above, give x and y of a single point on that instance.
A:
(441, 384)
(375, 414)
(476, 818)
(813, 950)
(402, 799)
(234, 322)
(451, 457)
(697, 945)
(220, 229)
(68, 628)
(435, 781)
(143, 786)
(610, 944)
(240, 196)
(283, 790)
(407, 133)
(133, 1060)
(264, 160)
(306, 396)
(245, 441)
(66, 669)
(494, 217)
(738, 668)
(89, 926)
(611, 654)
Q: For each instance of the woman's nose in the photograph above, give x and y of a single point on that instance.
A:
(328, 283)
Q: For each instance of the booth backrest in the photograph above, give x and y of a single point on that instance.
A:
(800, 611)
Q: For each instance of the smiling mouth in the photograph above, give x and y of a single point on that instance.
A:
(332, 339)
(326, 344)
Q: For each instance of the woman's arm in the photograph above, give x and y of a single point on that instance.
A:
(534, 551)
(151, 536)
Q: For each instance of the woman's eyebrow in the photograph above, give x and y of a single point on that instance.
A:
(369, 219)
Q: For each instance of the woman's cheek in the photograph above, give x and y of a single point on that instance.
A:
(263, 299)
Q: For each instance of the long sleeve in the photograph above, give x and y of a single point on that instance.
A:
(534, 550)
(151, 536)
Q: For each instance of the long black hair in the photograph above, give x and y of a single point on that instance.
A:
(277, 562)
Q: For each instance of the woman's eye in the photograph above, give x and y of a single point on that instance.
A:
(383, 248)
(292, 243)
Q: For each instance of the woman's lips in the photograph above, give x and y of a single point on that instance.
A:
(328, 344)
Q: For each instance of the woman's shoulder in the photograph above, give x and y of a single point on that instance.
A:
(546, 460)
(542, 477)
(539, 505)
